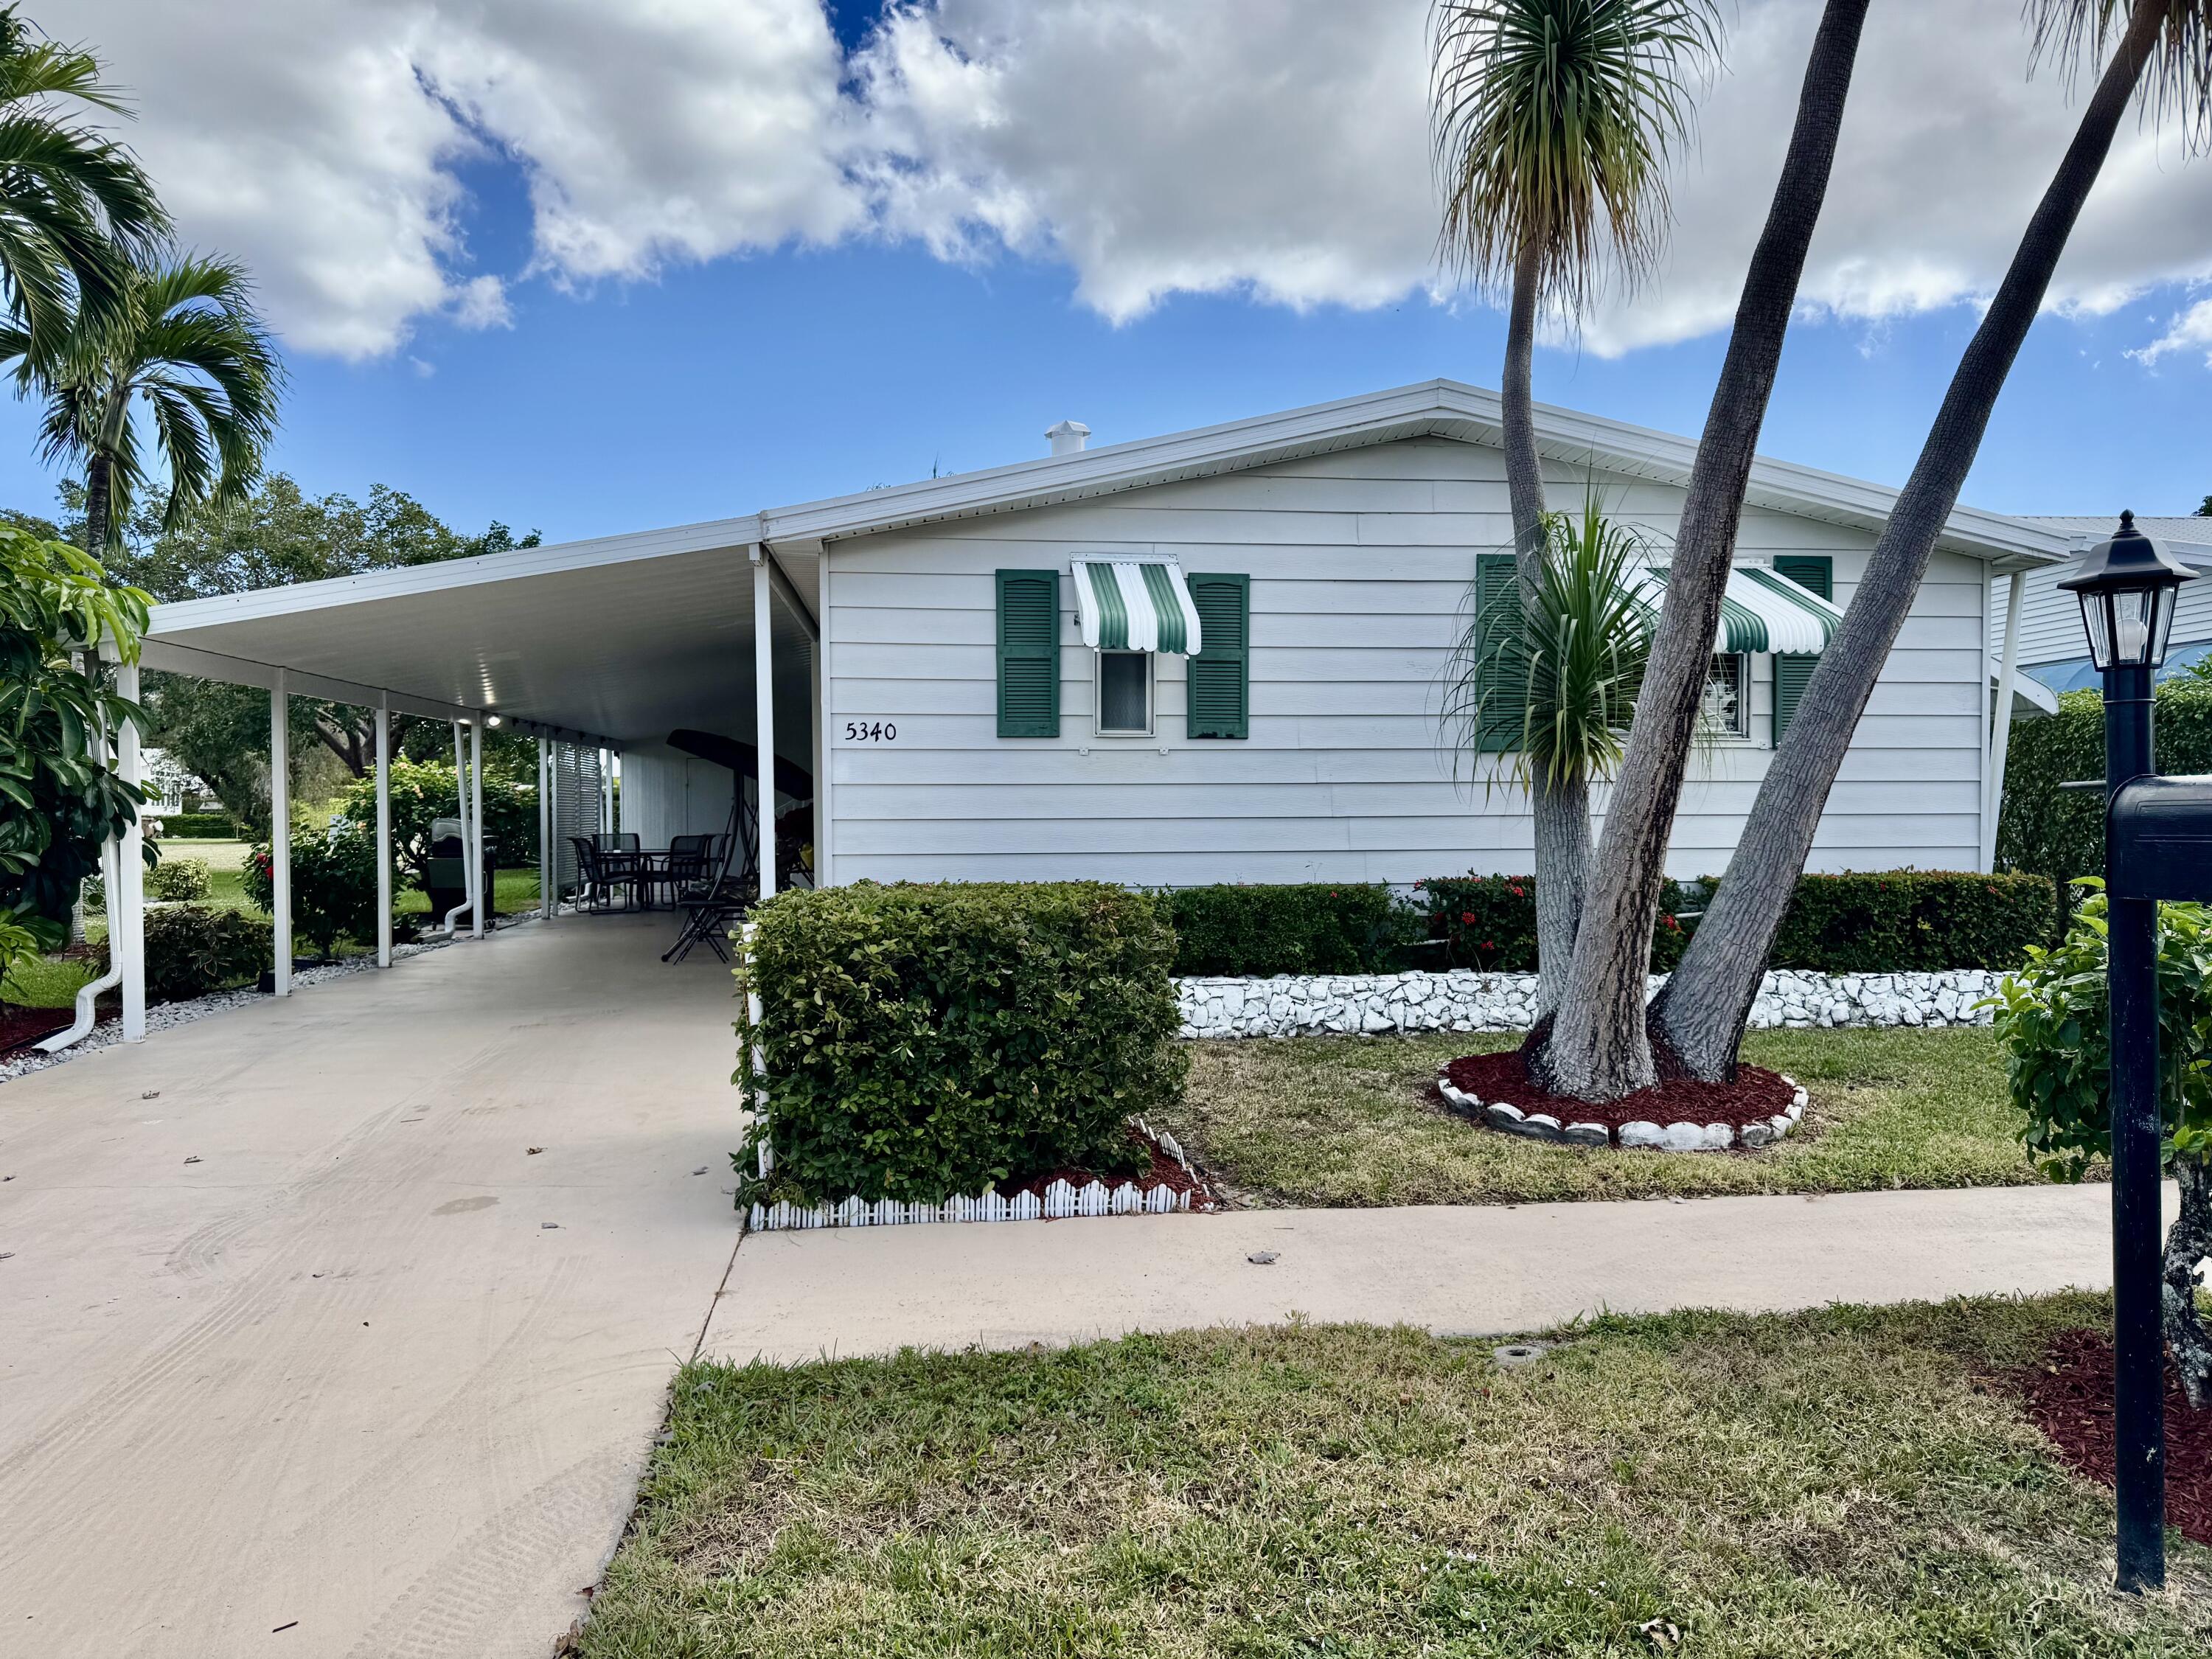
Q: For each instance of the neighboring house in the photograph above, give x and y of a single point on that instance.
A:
(992, 674)
(2052, 648)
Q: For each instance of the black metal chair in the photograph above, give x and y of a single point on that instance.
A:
(689, 861)
(713, 906)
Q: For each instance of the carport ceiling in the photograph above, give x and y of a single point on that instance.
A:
(626, 648)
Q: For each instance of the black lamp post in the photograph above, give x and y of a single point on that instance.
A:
(2127, 587)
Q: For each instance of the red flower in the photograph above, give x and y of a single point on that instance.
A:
(1418, 886)
(1517, 893)
(1487, 945)
(1467, 919)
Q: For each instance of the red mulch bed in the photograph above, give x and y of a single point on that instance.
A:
(2070, 1396)
(1756, 1095)
(21, 1027)
(1164, 1171)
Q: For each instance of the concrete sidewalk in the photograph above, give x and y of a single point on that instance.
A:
(289, 1342)
(796, 1295)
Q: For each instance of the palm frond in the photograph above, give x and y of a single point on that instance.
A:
(1561, 675)
(2178, 81)
(1552, 122)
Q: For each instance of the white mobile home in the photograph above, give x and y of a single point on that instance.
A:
(2053, 650)
(1211, 656)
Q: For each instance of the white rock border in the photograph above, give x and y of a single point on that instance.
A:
(1059, 1201)
(1669, 1138)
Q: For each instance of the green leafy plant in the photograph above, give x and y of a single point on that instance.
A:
(191, 950)
(1295, 927)
(198, 826)
(173, 879)
(2053, 1019)
(424, 791)
(60, 796)
(19, 948)
(1892, 922)
(1488, 923)
(333, 885)
(924, 1041)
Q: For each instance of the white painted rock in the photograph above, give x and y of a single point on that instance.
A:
(1503, 1116)
(1538, 1126)
(1586, 1134)
(1719, 1137)
(1782, 1124)
(1761, 1134)
(1642, 1135)
(1683, 1138)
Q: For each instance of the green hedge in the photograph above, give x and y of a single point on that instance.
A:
(1489, 922)
(178, 878)
(1896, 922)
(2061, 833)
(922, 1042)
(198, 826)
(1309, 927)
(191, 950)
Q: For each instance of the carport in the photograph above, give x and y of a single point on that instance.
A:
(597, 649)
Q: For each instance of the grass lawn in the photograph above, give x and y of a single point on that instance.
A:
(1833, 1483)
(1343, 1122)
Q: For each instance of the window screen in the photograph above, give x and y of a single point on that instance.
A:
(1125, 691)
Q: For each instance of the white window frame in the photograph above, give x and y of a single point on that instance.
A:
(1741, 732)
(1098, 695)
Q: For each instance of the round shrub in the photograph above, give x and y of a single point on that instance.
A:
(333, 885)
(177, 880)
(924, 1041)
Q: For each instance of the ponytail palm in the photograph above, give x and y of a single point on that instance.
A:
(188, 353)
(1553, 124)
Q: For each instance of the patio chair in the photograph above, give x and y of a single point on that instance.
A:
(712, 906)
(689, 860)
(601, 874)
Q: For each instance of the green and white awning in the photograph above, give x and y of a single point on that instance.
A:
(1760, 611)
(1135, 605)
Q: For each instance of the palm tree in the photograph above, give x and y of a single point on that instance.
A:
(1557, 683)
(1552, 123)
(187, 347)
(75, 208)
(2163, 50)
(1598, 1047)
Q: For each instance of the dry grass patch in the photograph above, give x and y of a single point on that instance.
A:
(1840, 1482)
(1347, 1121)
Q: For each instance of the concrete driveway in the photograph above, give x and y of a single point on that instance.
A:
(303, 1351)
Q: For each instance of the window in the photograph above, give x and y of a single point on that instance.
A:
(1125, 694)
(1727, 712)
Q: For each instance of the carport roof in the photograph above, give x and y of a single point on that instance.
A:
(621, 638)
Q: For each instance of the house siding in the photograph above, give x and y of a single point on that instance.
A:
(1359, 562)
(2050, 619)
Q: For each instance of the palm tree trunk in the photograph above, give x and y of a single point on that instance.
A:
(98, 496)
(1560, 814)
(1703, 1012)
(1598, 1048)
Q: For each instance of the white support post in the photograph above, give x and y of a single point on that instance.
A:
(126, 899)
(280, 835)
(546, 862)
(475, 826)
(2001, 722)
(606, 792)
(450, 926)
(764, 716)
(384, 831)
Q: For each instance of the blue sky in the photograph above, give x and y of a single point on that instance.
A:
(800, 362)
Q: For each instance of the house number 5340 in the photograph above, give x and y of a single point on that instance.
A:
(870, 732)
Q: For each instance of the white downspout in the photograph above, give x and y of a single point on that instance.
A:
(88, 996)
(384, 830)
(764, 718)
(2001, 722)
(476, 825)
(280, 836)
(126, 898)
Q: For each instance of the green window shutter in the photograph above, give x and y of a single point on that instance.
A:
(1816, 572)
(1221, 673)
(1503, 687)
(1029, 653)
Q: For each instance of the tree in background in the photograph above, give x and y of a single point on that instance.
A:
(185, 350)
(2161, 49)
(422, 792)
(1553, 121)
(60, 797)
(76, 211)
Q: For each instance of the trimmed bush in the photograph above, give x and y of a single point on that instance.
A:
(198, 826)
(191, 951)
(1489, 922)
(333, 886)
(1311, 928)
(1897, 921)
(2059, 833)
(177, 879)
(923, 1042)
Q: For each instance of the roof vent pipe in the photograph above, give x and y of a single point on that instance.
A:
(1068, 437)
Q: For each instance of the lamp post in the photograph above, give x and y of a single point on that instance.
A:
(2126, 587)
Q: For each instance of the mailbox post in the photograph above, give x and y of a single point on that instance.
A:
(2127, 587)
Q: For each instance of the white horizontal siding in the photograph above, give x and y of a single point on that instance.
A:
(670, 795)
(2050, 618)
(1359, 563)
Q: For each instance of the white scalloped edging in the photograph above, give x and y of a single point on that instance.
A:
(1060, 1200)
(1658, 1138)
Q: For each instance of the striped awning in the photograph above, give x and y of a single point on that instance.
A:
(1761, 611)
(1135, 605)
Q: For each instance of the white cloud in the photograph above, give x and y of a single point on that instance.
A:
(1276, 147)
(2190, 331)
